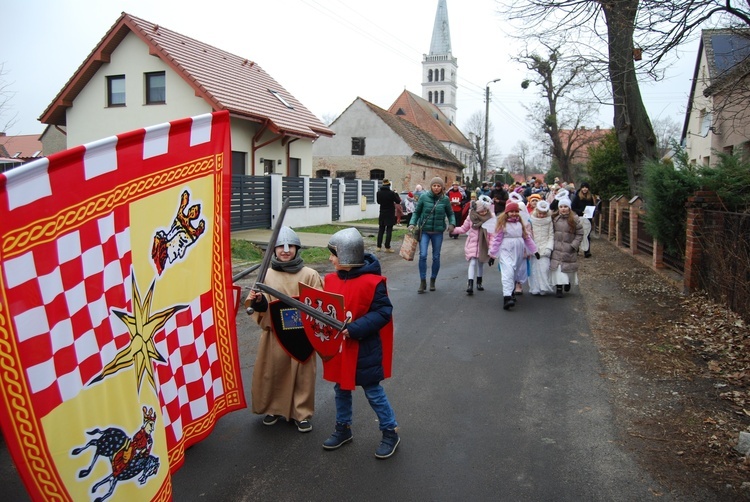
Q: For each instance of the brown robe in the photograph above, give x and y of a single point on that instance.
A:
(282, 385)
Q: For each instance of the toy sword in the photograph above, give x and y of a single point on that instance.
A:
(270, 249)
(303, 307)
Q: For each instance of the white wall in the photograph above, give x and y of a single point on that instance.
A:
(90, 119)
(360, 121)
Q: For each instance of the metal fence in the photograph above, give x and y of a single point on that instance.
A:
(724, 271)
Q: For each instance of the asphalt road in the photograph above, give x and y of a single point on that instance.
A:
(492, 405)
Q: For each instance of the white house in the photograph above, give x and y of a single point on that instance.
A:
(718, 115)
(142, 74)
(371, 143)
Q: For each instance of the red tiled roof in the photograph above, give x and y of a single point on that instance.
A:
(422, 142)
(24, 147)
(427, 117)
(224, 80)
(581, 140)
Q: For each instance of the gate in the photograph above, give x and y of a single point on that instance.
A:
(335, 216)
(251, 202)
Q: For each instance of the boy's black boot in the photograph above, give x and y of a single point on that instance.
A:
(432, 284)
(422, 286)
(479, 284)
(508, 302)
(558, 292)
(470, 287)
(388, 444)
(342, 435)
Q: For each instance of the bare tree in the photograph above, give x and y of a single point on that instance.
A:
(562, 115)
(474, 128)
(667, 131)
(7, 118)
(627, 29)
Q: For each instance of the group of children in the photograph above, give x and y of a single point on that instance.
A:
(283, 387)
(529, 241)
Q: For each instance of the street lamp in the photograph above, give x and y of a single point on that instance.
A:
(487, 124)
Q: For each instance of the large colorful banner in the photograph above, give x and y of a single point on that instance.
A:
(118, 344)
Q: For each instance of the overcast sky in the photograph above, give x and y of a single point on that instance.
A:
(324, 52)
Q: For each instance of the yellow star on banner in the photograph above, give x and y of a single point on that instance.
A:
(141, 352)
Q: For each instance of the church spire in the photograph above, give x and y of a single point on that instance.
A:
(441, 31)
(439, 67)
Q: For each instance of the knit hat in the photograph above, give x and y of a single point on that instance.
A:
(411, 194)
(534, 196)
(585, 185)
(562, 193)
(511, 206)
(386, 182)
(437, 181)
(542, 206)
(484, 202)
(515, 197)
(565, 201)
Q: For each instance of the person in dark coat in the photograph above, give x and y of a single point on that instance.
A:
(499, 197)
(366, 355)
(388, 199)
(582, 198)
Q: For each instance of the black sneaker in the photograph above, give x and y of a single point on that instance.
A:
(388, 444)
(303, 425)
(270, 419)
(566, 287)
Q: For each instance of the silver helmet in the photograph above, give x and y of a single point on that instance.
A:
(287, 237)
(349, 247)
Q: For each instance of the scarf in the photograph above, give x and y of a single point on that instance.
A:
(477, 219)
(290, 267)
(514, 219)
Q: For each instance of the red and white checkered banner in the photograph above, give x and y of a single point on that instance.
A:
(118, 344)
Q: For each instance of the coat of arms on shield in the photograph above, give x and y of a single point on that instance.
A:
(325, 339)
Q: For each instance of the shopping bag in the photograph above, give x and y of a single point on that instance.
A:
(408, 247)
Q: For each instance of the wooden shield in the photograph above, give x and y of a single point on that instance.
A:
(287, 326)
(324, 338)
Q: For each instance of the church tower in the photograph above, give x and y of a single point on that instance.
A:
(440, 68)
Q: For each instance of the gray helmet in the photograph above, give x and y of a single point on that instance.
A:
(349, 247)
(287, 237)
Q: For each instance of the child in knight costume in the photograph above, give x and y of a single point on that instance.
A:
(366, 355)
(284, 375)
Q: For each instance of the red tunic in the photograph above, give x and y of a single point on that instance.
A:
(358, 295)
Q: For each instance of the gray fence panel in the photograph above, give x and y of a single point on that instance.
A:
(318, 192)
(368, 190)
(350, 195)
(294, 190)
(250, 206)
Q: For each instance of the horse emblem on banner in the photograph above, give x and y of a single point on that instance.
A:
(325, 338)
(128, 456)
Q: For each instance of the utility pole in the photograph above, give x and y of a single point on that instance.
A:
(486, 125)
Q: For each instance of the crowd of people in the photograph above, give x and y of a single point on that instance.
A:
(533, 230)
